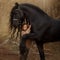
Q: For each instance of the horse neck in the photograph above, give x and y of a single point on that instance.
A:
(33, 13)
(33, 8)
(27, 10)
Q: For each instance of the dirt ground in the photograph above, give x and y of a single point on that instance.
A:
(8, 55)
(52, 52)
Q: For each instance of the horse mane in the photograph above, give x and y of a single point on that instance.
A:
(34, 7)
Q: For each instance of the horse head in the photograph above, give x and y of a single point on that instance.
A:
(16, 16)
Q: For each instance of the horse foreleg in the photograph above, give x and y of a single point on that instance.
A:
(41, 50)
(24, 49)
(23, 46)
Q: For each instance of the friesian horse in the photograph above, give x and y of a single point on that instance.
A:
(44, 28)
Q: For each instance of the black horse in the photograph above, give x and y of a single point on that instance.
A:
(44, 29)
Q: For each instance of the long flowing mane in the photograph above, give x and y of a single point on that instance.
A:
(34, 7)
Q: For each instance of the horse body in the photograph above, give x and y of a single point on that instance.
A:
(43, 28)
(38, 19)
(53, 33)
(34, 17)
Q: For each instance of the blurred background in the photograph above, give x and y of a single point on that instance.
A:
(9, 50)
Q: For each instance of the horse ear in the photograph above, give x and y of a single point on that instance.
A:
(16, 4)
